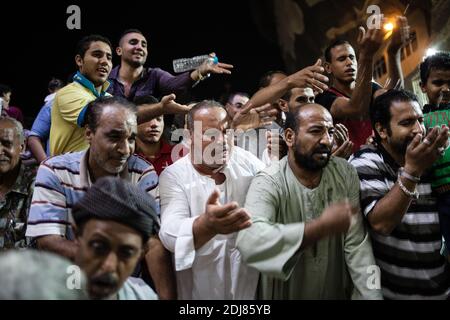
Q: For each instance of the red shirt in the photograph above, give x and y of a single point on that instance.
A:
(15, 112)
(358, 130)
(164, 158)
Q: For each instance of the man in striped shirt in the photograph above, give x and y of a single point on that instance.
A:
(397, 200)
(61, 181)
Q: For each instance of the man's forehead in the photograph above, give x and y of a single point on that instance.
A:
(7, 129)
(313, 114)
(134, 35)
(405, 109)
(112, 230)
(307, 92)
(114, 114)
(239, 99)
(100, 46)
(439, 73)
(342, 49)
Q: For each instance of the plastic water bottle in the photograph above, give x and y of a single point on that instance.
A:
(186, 64)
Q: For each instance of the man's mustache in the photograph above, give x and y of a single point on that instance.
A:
(106, 279)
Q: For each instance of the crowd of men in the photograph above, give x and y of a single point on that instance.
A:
(321, 185)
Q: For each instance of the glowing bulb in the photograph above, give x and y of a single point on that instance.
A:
(388, 26)
(430, 52)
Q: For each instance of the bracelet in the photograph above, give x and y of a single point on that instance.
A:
(406, 175)
(410, 194)
(200, 76)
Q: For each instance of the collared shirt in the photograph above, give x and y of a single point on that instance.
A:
(214, 271)
(164, 158)
(136, 289)
(67, 117)
(62, 180)
(409, 258)
(153, 81)
(335, 267)
(42, 124)
(14, 210)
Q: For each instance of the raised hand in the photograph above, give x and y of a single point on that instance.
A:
(207, 67)
(225, 219)
(310, 77)
(343, 147)
(251, 118)
(369, 41)
(421, 154)
(170, 106)
(400, 35)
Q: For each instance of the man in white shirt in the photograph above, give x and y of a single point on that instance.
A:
(201, 199)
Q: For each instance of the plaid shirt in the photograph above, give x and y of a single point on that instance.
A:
(14, 210)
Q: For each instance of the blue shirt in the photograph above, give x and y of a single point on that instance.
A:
(62, 180)
(42, 123)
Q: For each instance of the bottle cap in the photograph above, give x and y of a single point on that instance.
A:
(215, 60)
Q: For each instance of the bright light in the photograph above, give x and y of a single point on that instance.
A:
(430, 52)
(388, 26)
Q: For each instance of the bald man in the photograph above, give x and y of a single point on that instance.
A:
(307, 236)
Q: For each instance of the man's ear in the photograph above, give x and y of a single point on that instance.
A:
(119, 51)
(289, 137)
(23, 147)
(88, 134)
(382, 131)
(422, 87)
(284, 106)
(327, 67)
(79, 61)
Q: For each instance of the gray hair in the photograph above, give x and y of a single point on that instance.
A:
(37, 275)
(18, 126)
(205, 104)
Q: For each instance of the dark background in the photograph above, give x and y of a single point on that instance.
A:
(36, 44)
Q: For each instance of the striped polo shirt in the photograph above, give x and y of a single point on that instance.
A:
(62, 180)
(409, 258)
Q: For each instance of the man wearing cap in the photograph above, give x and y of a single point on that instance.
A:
(114, 221)
(62, 180)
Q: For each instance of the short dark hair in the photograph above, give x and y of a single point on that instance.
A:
(95, 109)
(264, 81)
(55, 84)
(380, 110)
(4, 89)
(338, 42)
(205, 104)
(132, 30)
(84, 44)
(438, 61)
(145, 100)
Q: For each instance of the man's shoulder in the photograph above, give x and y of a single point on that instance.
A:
(73, 87)
(137, 164)
(245, 158)
(136, 289)
(179, 168)
(340, 164)
(70, 92)
(368, 153)
(68, 161)
(27, 176)
(275, 173)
